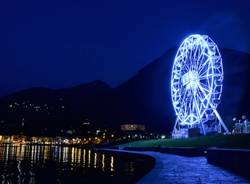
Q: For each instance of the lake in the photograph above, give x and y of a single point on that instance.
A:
(21, 163)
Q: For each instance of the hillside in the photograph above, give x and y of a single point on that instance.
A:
(145, 98)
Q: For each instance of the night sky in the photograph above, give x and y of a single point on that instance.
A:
(64, 43)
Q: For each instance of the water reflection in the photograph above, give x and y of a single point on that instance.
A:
(103, 162)
(95, 160)
(20, 163)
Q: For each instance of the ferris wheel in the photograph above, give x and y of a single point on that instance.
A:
(196, 83)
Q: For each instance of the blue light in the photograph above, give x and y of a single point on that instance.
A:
(196, 82)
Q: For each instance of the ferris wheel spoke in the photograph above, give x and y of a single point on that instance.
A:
(200, 94)
(182, 101)
(201, 57)
(203, 87)
(200, 102)
(194, 101)
(192, 58)
(205, 95)
(203, 99)
(203, 74)
(197, 105)
(204, 77)
(200, 97)
(198, 61)
(209, 76)
(203, 66)
(181, 61)
(184, 96)
(198, 58)
(186, 67)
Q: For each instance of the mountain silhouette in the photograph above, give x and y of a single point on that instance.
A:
(145, 99)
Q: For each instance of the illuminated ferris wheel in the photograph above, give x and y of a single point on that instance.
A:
(196, 83)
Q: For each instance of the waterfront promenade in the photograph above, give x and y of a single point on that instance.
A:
(177, 169)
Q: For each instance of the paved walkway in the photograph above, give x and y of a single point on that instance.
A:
(189, 170)
(186, 170)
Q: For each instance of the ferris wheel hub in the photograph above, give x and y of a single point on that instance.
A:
(191, 79)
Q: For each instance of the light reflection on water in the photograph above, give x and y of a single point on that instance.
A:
(41, 153)
(22, 163)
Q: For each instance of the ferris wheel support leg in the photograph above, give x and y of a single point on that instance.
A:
(221, 121)
(203, 129)
(175, 125)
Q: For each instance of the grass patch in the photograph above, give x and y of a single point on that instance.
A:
(223, 141)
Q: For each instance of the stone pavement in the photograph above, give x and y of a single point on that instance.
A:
(174, 169)
(188, 170)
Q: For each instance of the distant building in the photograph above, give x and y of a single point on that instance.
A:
(241, 126)
(132, 127)
(178, 134)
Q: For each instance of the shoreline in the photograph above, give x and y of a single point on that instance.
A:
(148, 158)
(170, 168)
